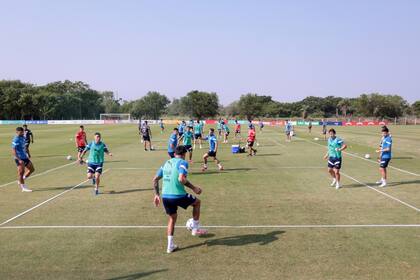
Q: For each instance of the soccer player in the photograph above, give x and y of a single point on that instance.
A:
(219, 128)
(140, 128)
(96, 149)
(181, 128)
(385, 155)
(187, 141)
(251, 140)
(333, 155)
(174, 173)
(261, 124)
(237, 129)
(81, 141)
(146, 133)
(213, 146)
(310, 127)
(29, 138)
(288, 131)
(324, 129)
(24, 165)
(198, 133)
(226, 132)
(162, 126)
(173, 142)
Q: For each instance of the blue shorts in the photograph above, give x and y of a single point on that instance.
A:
(384, 162)
(171, 154)
(94, 168)
(171, 204)
(334, 162)
(26, 161)
(180, 134)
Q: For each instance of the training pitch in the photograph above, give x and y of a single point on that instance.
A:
(273, 216)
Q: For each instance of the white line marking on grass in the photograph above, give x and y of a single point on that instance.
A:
(46, 201)
(216, 226)
(39, 174)
(369, 160)
(227, 169)
(383, 193)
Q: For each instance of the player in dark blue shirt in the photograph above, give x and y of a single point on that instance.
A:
(24, 165)
(213, 146)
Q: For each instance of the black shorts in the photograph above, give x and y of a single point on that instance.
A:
(81, 148)
(189, 148)
(197, 136)
(227, 133)
(26, 161)
(324, 132)
(237, 131)
(94, 168)
(180, 134)
(211, 153)
(146, 138)
(27, 144)
(250, 143)
(334, 162)
(384, 162)
(171, 204)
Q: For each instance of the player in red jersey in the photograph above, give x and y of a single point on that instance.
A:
(81, 141)
(251, 140)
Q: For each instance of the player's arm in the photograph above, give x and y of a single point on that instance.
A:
(216, 147)
(155, 182)
(31, 136)
(183, 180)
(106, 150)
(16, 156)
(150, 132)
(87, 148)
(343, 147)
(326, 155)
(75, 140)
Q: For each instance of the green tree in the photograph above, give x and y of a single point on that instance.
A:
(153, 105)
(416, 108)
(252, 105)
(200, 104)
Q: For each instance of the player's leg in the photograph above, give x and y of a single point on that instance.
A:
(97, 182)
(332, 174)
(170, 233)
(205, 157)
(337, 177)
(219, 165)
(383, 172)
(29, 170)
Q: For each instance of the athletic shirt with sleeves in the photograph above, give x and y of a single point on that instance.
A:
(238, 126)
(251, 135)
(80, 138)
(212, 142)
(170, 173)
(226, 128)
(181, 128)
(288, 127)
(27, 135)
(174, 141)
(386, 143)
(333, 145)
(187, 138)
(18, 144)
(197, 128)
(96, 152)
(145, 130)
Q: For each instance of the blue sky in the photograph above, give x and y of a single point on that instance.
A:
(287, 49)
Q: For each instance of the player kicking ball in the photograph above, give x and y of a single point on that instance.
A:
(24, 165)
(335, 148)
(174, 173)
(96, 149)
(384, 155)
(213, 146)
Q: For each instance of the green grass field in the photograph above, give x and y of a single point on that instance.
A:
(273, 216)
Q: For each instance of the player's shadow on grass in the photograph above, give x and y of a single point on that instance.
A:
(137, 275)
(226, 170)
(240, 240)
(267, 155)
(62, 188)
(109, 161)
(403, 158)
(389, 184)
(127, 191)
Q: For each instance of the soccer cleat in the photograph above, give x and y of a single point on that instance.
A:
(337, 186)
(220, 167)
(333, 182)
(96, 191)
(93, 181)
(204, 168)
(26, 189)
(379, 182)
(198, 232)
(383, 184)
(172, 249)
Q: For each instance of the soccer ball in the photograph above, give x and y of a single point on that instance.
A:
(258, 144)
(189, 224)
(69, 158)
(367, 156)
(152, 148)
(316, 138)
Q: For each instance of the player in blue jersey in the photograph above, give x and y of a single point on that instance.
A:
(162, 126)
(288, 130)
(174, 173)
(181, 128)
(24, 165)
(385, 155)
(213, 146)
(335, 147)
(173, 142)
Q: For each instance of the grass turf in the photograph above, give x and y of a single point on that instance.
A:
(285, 184)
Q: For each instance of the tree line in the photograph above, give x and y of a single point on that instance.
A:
(77, 100)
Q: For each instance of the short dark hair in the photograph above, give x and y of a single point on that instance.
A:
(81, 126)
(25, 125)
(212, 129)
(176, 128)
(385, 129)
(19, 128)
(180, 150)
(332, 130)
(97, 133)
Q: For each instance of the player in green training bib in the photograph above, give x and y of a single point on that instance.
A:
(187, 139)
(198, 133)
(335, 147)
(174, 173)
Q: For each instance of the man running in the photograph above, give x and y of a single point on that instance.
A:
(333, 155)
(237, 129)
(213, 146)
(29, 138)
(226, 132)
(385, 155)
(187, 141)
(251, 140)
(96, 149)
(198, 133)
(24, 165)
(162, 126)
(174, 173)
(80, 139)
(173, 142)
(146, 133)
(181, 128)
